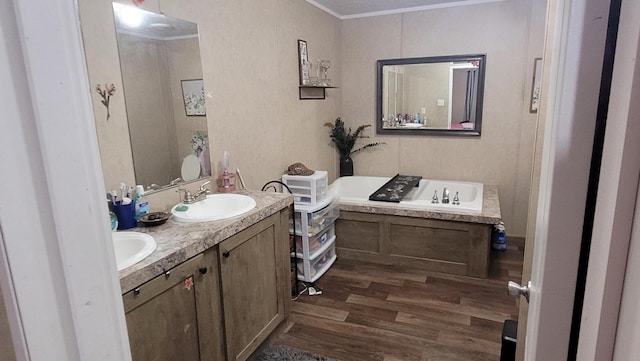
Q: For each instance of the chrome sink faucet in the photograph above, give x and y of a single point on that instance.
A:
(197, 196)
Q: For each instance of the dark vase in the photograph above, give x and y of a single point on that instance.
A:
(346, 166)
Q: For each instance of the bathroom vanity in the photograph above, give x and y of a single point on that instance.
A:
(215, 290)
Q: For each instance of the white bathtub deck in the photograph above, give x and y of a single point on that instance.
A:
(490, 213)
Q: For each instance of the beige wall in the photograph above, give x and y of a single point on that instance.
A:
(250, 68)
(431, 83)
(249, 58)
(145, 75)
(184, 64)
(160, 129)
(502, 155)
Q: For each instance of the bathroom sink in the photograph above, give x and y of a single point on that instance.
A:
(132, 247)
(213, 208)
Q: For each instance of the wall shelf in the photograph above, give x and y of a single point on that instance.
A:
(310, 92)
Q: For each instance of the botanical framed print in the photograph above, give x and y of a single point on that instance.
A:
(303, 62)
(193, 96)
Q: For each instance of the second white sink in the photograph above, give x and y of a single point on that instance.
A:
(132, 247)
(213, 208)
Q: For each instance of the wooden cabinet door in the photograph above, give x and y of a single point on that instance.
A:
(253, 266)
(176, 316)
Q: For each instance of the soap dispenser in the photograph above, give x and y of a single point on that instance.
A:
(226, 182)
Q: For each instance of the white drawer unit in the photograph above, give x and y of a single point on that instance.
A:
(311, 220)
(315, 237)
(309, 189)
(310, 270)
(310, 246)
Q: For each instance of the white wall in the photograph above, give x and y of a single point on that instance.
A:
(626, 346)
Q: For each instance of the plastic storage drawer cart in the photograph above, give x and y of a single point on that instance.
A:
(307, 189)
(315, 238)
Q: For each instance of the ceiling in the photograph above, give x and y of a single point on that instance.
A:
(151, 25)
(349, 9)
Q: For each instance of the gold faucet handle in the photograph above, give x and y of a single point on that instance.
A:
(188, 198)
(202, 186)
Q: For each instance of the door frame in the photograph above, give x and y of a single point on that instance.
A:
(59, 276)
(574, 53)
(573, 58)
(616, 201)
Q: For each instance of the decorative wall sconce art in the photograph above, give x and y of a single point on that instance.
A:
(310, 86)
(106, 94)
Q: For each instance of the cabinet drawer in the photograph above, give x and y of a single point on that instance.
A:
(161, 283)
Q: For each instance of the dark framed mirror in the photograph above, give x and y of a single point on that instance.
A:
(440, 95)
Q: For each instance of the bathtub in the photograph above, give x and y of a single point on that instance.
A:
(356, 190)
(415, 232)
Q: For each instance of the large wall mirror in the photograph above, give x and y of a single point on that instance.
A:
(430, 96)
(164, 96)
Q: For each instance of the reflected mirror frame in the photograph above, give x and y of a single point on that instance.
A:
(427, 60)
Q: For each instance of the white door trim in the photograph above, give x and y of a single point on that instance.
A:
(52, 207)
(573, 53)
(615, 208)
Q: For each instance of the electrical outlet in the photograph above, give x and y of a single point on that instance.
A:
(440, 102)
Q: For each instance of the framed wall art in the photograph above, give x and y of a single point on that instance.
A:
(193, 96)
(303, 62)
(536, 85)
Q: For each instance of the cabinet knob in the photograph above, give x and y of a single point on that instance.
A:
(225, 254)
(203, 270)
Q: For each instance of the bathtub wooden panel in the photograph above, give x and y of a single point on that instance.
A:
(363, 232)
(442, 246)
(428, 243)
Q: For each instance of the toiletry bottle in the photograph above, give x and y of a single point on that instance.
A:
(113, 219)
(418, 118)
(142, 208)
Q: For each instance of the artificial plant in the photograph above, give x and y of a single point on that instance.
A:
(345, 140)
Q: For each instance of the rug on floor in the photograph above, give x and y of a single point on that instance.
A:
(286, 353)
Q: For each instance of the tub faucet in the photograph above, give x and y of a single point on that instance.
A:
(445, 196)
(434, 199)
(456, 200)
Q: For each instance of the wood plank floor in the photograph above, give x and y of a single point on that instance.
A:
(389, 313)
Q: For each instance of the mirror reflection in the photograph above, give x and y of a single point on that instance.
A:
(431, 96)
(164, 96)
